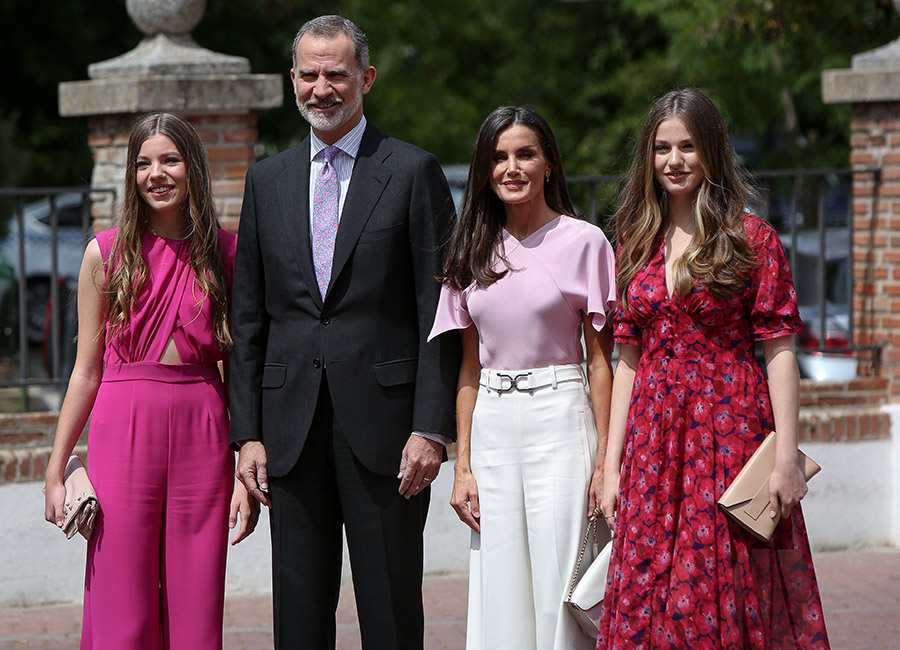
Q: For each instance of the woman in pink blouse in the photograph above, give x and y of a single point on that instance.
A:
(153, 298)
(523, 280)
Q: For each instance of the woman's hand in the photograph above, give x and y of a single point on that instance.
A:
(245, 508)
(465, 498)
(786, 487)
(608, 503)
(595, 491)
(54, 501)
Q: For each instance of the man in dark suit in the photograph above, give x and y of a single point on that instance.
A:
(340, 407)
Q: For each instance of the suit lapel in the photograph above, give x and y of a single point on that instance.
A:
(294, 193)
(370, 177)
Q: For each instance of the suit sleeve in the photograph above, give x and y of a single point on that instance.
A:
(249, 326)
(431, 215)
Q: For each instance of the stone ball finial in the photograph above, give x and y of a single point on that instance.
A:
(175, 17)
(168, 49)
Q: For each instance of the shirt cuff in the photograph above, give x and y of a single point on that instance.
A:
(434, 437)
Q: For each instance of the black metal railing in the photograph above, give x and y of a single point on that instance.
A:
(48, 229)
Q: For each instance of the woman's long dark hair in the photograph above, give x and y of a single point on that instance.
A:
(476, 236)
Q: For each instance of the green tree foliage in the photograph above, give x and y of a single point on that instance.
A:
(592, 67)
(762, 60)
(41, 45)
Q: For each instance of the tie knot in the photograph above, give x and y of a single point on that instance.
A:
(328, 153)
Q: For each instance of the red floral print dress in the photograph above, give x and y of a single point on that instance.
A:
(683, 575)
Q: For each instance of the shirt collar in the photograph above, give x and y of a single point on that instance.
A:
(349, 143)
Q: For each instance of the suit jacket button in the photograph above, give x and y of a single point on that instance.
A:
(317, 364)
(325, 320)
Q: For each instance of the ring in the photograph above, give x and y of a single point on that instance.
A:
(426, 479)
(609, 516)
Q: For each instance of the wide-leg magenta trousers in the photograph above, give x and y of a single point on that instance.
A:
(159, 460)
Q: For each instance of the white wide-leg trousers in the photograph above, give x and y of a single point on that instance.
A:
(533, 455)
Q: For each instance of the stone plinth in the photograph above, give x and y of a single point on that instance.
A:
(869, 84)
(197, 93)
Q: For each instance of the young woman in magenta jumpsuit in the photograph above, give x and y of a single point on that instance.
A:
(153, 298)
(523, 281)
(700, 281)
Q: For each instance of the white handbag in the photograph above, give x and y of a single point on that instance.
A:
(584, 599)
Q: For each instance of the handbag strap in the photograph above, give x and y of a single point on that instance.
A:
(589, 533)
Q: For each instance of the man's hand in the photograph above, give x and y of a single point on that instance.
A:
(419, 465)
(251, 471)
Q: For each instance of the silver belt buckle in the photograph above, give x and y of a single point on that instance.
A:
(513, 382)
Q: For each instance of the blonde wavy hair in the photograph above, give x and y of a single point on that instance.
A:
(127, 270)
(718, 254)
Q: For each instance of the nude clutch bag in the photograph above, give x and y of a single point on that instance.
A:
(81, 504)
(747, 498)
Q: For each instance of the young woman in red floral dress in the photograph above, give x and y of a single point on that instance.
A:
(700, 282)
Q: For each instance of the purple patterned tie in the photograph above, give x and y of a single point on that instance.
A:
(325, 219)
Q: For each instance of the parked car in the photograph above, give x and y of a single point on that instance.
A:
(457, 176)
(38, 237)
(813, 355)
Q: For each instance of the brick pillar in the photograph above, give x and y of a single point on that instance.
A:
(872, 86)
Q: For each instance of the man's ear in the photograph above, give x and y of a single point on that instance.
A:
(368, 79)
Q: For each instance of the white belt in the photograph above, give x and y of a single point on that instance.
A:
(527, 381)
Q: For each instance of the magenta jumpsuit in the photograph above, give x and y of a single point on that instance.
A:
(160, 463)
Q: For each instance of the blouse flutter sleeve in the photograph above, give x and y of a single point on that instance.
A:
(774, 311)
(600, 273)
(452, 312)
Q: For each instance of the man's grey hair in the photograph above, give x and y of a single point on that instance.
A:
(331, 27)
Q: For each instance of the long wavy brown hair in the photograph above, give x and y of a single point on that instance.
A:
(127, 269)
(718, 254)
(477, 234)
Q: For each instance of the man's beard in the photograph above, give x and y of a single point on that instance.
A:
(329, 122)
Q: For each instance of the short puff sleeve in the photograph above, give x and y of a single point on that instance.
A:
(774, 310)
(624, 328)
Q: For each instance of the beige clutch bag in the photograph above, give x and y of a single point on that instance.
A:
(81, 504)
(747, 499)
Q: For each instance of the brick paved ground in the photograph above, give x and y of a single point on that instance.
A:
(860, 592)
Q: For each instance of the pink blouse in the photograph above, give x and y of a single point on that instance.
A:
(169, 304)
(531, 318)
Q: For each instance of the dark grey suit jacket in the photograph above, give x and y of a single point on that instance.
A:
(369, 336)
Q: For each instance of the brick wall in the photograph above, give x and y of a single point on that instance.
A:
(25, 442)
(875, 141)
